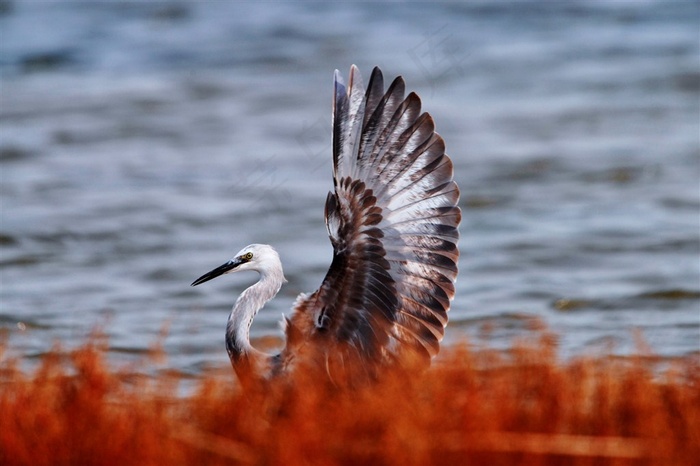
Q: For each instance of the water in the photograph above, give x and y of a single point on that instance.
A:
(143, 145)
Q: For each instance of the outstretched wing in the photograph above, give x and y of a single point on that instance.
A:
(392, 220)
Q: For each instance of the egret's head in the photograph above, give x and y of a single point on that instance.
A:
(259, 257)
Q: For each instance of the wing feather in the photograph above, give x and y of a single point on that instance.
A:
(393, 222)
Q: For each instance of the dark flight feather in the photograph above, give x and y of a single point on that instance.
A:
(393, 222)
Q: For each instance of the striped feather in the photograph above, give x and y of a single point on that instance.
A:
(393, 222)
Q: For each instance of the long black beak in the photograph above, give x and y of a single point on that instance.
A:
(220, 270)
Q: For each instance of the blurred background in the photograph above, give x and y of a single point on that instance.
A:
(143, 144)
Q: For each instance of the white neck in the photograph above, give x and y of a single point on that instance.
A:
(247, 306)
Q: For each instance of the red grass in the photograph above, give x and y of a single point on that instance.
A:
(480, 407)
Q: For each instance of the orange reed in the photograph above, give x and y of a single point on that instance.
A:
(474, 406)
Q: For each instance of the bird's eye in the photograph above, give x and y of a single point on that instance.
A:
(248, 256)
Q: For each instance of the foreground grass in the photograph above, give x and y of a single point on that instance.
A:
(479, 407)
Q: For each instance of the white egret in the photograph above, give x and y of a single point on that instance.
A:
(393, 222)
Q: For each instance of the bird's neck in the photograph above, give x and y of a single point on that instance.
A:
(247, 306)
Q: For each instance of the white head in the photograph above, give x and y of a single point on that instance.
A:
(261, 258)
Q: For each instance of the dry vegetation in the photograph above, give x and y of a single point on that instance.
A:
(480, 407)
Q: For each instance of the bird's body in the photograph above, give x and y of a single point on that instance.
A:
(393, 223)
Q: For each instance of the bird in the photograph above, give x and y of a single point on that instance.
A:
(393, 221)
